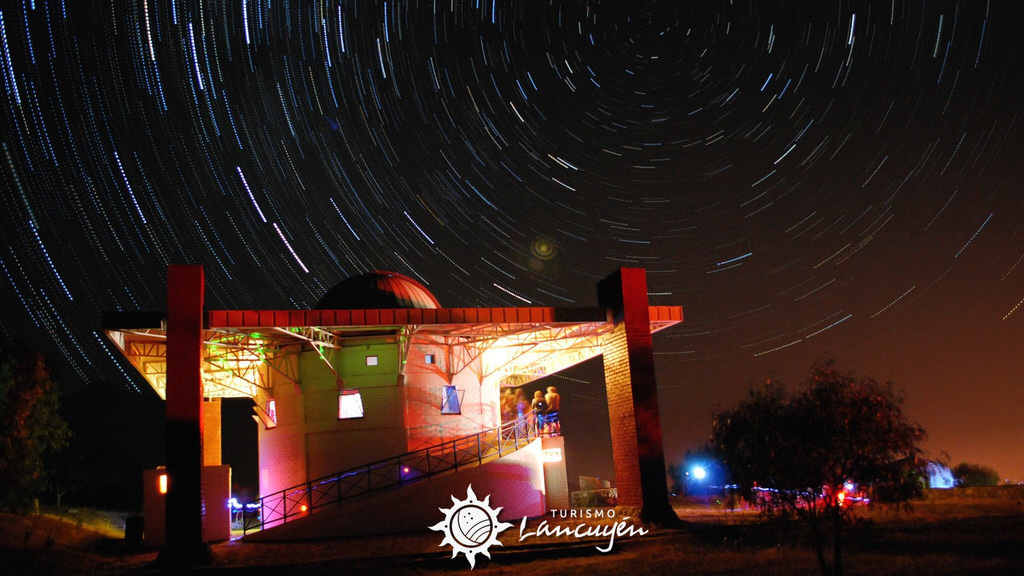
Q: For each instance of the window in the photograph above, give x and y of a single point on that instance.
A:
(271, 413)
(371, 360)
(428, 359)
(350, 404)
(451, 402)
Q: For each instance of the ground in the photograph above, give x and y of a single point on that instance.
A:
(938, 537)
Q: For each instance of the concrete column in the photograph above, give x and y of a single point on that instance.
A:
(633, 397)
(556, 481)
(185, 291)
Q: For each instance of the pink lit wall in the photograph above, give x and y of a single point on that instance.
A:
(401, 394)
(282, 450)
(424, 382)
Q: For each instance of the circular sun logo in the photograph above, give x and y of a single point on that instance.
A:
(470, 526)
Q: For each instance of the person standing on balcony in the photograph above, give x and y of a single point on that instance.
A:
(508, 406)
(539, 406)
(554, 401)
(522, 406)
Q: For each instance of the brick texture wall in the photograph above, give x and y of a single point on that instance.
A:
(632, 390)
(622, 417)
(212, 445)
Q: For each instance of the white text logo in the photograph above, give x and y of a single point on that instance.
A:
(470, 526)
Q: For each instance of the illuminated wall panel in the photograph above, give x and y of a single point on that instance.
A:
(424, 388)
(282, 450)
(350, 360)
(333, 445)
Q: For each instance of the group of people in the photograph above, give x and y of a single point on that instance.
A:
(543, 407)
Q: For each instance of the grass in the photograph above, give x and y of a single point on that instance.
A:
(934, 537)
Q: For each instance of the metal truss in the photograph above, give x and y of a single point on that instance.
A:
(238, 361)
(517, 353)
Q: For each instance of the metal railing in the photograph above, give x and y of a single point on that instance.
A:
(388, 474)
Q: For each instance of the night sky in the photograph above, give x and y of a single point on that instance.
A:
(807, 179)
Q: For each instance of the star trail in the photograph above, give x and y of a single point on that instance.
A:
(805, 178)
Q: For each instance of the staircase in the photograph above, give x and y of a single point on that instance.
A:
(388, 474)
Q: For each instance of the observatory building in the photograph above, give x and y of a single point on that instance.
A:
(378, 405)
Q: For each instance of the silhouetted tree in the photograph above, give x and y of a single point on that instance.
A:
(676, 481)
(795, 453)
(30, 427)
(967, 474)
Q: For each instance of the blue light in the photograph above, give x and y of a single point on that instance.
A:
(939, 476)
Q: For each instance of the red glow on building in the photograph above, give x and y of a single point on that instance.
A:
(337, 387)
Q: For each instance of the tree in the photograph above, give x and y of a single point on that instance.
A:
(30, 427)
(795, 454)
(967, 474)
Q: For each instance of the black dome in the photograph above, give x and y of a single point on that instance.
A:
(377, 290)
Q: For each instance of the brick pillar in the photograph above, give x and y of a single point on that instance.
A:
(212, 452)
(633, 397)
(184, 515)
